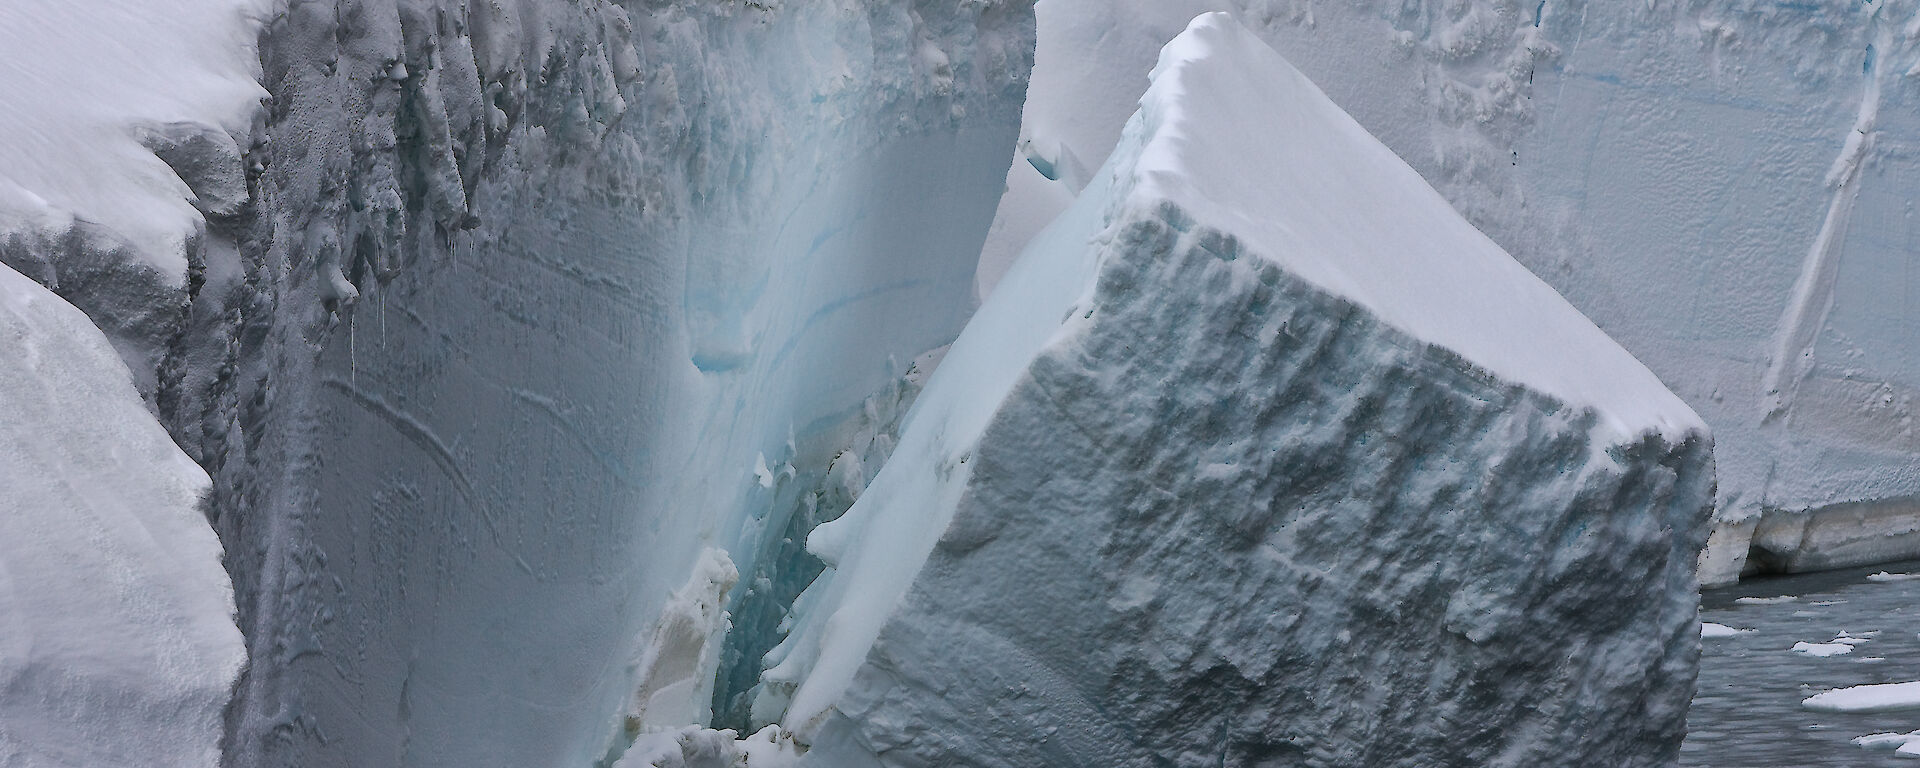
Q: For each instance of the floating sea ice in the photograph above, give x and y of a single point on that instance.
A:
(1883, 576)
(1889, 697)
(1886, 740)
(1767, 600)
(1864, 637)
(1822, 649)
(1712, 631)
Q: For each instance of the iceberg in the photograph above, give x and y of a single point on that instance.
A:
(1720, 185)
(1262, 454)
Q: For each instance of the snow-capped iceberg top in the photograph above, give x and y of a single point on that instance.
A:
(88, 84)
(1300, 182)
(1242, 143)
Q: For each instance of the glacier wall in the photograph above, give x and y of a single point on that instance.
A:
(1719, 184)
(522, 295)
(1236, 472)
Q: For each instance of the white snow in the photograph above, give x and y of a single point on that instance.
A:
(1468, 296)
(117, 642)
(86, 82)
(1889, 697)
(696, 747)
(1242, 143)
(1712, 631)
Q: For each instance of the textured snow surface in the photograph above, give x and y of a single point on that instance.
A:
(117, 641)
(1721, 185)
(92, 88)
(1181, 494)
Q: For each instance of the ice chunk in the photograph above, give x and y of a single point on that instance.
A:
(1888, 697)
(1822, 650)
(1712, 631)
(117, 641)
(1235, 436)
(1776, 600)
(1886, 740)
(1883, 576)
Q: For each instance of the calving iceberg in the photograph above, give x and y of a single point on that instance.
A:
(1721, 185)
(117, 642)
(1262, 454)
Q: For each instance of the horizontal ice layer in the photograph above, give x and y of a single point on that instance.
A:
(92, 89)
(1262, 454)
(117, 641)
(1720, 185)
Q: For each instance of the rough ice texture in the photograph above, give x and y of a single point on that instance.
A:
(1720, 184)
(117, 641)
(1174, 500)
(523, 290)
(117, 146)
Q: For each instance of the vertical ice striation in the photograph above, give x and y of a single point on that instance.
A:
(1262, 455)
(524, 290)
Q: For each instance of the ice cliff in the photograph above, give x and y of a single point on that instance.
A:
(1262, 455)
(493, 321)
(525, 294)
(1722, 185)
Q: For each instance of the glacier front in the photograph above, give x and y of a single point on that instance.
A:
(1262, 455)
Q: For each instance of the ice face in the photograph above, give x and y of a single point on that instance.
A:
(528, 292)
(1717, 184)
(117, 642)
(1188, 490)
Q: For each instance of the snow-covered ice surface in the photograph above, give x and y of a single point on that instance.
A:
(1822, 650)
(117, 636)
(117, 641)
(1883, 697)
(120, 143)
(92, 88)
(1748, 711)
(525, 292)
(1722, 185)
(1208, 481)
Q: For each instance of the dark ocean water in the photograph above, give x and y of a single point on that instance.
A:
(1747, 713)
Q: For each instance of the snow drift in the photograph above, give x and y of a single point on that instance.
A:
(117, 642)
(1262, 454)
(117, 637)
